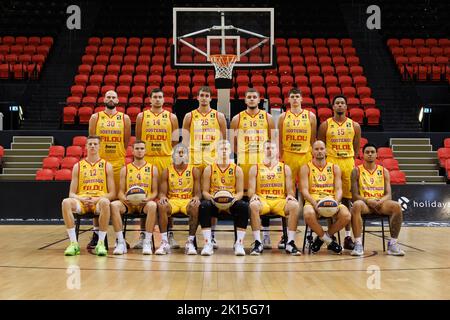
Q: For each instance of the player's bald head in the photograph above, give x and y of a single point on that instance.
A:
(318, 143)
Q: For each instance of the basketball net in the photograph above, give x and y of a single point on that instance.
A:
(223, 64)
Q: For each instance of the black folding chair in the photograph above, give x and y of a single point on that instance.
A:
(374, 216)
(132, 216)
(310, 237)
(283, 225)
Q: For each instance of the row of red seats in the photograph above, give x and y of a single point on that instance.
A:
(20, 71)
(21, 40)
(417, 42)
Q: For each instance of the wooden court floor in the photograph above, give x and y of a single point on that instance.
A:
(32, 266)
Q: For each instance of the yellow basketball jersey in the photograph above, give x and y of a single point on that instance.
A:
(223, 180)
(340, 138)
(204, 134)
(296, 135)
(271, 182)
(371, 184)
(157, 133)
(139, 177)
(321, 181)
(180, 185)
(253, 131)
(92, 179)
(111, 130)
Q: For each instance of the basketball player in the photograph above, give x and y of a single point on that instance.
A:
(342, 136)
(271, 192)
(180, 193)
(250, 128)
(158, 128)
(202, 128)
(371, 190)
(114, 128)
(320, 179)
(145, 175)
(297, 131)
(224, 174)
(91, 190)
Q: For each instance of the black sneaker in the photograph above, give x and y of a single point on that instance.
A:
(93, 243)
(257, 248)
(348, 243)
(281, 243)
(335, 247)
(292, 249)
(315, 247)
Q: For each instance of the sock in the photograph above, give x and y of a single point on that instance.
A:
(72, 235)
(148, 235)
(240, 236)
(257, 235)
(326, 238)
(265, 231)
(291, 235)
(191, 238)
(119, 236)
(164, 237)
(348, 233)
(392, 241)
(207, 235)
(358, 240)
(95, 229)
(101, 235)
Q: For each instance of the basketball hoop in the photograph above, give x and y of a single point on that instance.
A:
(223, 64)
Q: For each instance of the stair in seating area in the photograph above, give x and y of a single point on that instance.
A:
(417, 160)
(25, 157)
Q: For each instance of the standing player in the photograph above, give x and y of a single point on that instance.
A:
(224, 174)
(180, 193)
(271, 191)
(202, 129)
(145, 175)
(371, 190)
(158, 128)
(114, 129)
(320, 179)
(342, 136)
(91, 190)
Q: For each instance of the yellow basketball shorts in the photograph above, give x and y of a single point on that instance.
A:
(117, 165)
(273, 206)
(83, 209)
(160, 163)
(346, 165)
(179, 205)
(295, 161)
(134, 209)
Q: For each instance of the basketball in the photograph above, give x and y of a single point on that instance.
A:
(223, 199)
(135, 195)
(327, 207)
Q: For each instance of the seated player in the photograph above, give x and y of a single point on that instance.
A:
(371, 189)
(145, 175)
(320, 179)
(91, 190)
(180, 193)
(271, 192)
(224, 174)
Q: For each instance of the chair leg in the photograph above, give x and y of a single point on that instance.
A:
(304, 238)
(77, 226)
(285, 237)
(382, 233)
(364, 232)
(310, 241)
(125, 223)
(235, 230)
(339, 237)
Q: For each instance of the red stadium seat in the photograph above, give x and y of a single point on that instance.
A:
(69, 114)
(447, 142)
(56, 151)
(74, 151)
(443, 154)
(133, 112)
(51, 163)
(84, 114)
(397, 177)
(68, 162)
(183, 92)
(357, 115)
(63, 175)
(391, 164)
(364, 92)
(324, 114)
(385, 153)
(373, 116)
(362, 142)
(44, 175)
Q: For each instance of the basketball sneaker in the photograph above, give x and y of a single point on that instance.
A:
(163, 249)
(73, 249)
(239, 249)
(147, 247)
(281, 244)
(394, 249)
(100, 249)
(292, 249)
(93, 243)
(348, 243)
(358, 250)
(335, 247)
(315, 247)
(189, 248)
(257, 248)
(214, 243)
(140, 243)
(208, 249)
(121, 248)
(173, 243)
(267, 244)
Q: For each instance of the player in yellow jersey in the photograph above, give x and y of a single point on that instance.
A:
(271, 192)
(342, 137)
(180, 193)
(223, 174)
(320, 179)
(114, 128)
(91, 190)
(158, 128)
(371, 189)
(202, 129)
(145, 175)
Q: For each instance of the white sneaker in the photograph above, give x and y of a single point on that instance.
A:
(267, 244)
(189, 248)
(121, 248)
(173, 243)
(239, 249)
(163, 249)
(208, 250)
(394, 249)
(147, 247)
(140, 243)
(214, 243)
(358, 250)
